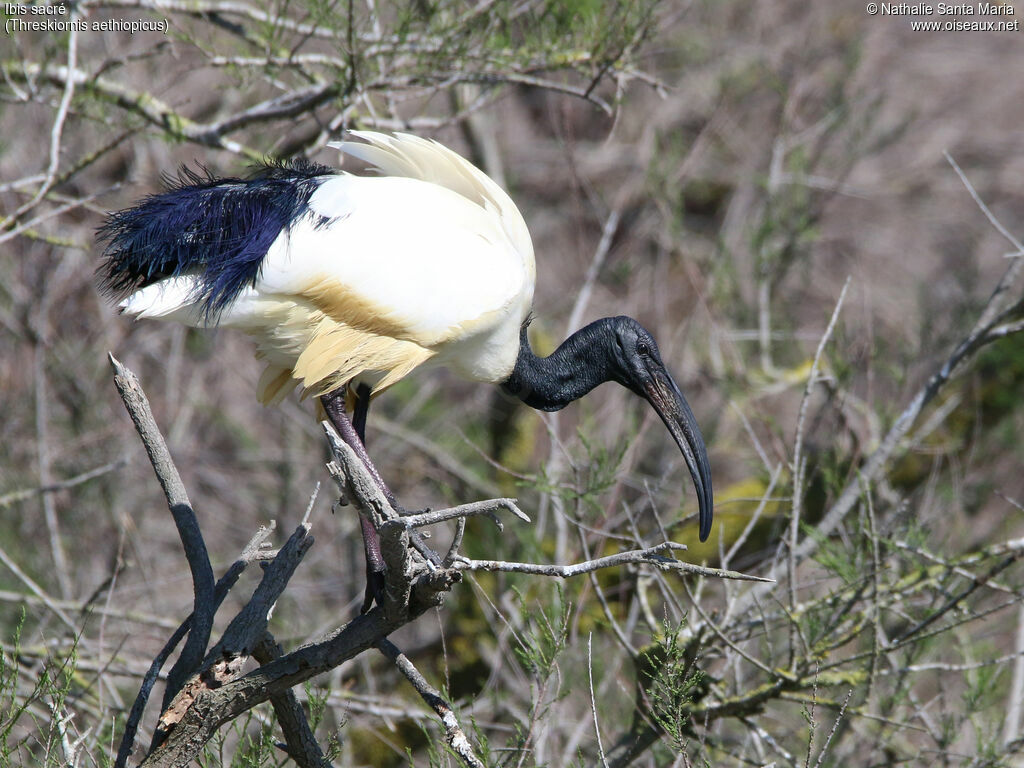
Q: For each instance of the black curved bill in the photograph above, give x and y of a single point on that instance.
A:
(664, 395)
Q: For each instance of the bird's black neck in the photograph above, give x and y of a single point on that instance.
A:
(550, 383)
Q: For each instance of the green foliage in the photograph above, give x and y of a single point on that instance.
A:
(594, 474)
(543, 635)
(1000, 373)
(674, 681)
(982, 690)
(482, 742)
(837, 556)
(12, 705)
(36, 726)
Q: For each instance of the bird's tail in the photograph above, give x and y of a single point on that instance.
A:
(215, 230)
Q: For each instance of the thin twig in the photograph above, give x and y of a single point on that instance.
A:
(39, 592)
(453, 548)
(593, 703)
(649, 556)
(832, 732)
(1018, 247)
(454, 734)
(761, 505)
(473, 509)
(42, 410)
(1015, 696)
(56, 131)
(799, 463)
(88, 607)
(28, 226)
(60, 485)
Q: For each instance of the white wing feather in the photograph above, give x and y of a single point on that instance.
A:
(416, 158)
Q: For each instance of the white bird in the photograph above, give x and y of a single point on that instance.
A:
(348, 283)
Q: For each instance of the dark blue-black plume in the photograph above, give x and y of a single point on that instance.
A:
(217, 229)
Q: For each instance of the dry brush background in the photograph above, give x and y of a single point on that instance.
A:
(718, 170)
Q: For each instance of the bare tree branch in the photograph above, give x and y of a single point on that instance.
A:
(204, 603)
(243, 634)
(252, 551)
(487, 508)
(300, 741)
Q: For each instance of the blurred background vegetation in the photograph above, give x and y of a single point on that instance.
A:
(718, 170)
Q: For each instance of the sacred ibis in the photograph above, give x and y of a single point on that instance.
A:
(348, 283)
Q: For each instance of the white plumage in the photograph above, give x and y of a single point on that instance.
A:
(431, 261)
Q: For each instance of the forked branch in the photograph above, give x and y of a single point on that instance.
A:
(214, 689)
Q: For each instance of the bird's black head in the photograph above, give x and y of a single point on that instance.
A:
(631, 347)
(636, 364)
(615, 349)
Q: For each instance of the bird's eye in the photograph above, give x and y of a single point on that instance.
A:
(643, 349)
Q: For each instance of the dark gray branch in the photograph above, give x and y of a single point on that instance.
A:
(226, 659)
(214, 706)
(227, 581)
(300, 742)
(203, 606)
(221, 692)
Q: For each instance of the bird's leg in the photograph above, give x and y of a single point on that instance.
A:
(362, 407)
(334, 405)
(353, 432)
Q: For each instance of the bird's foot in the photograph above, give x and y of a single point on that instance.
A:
(375, 566)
